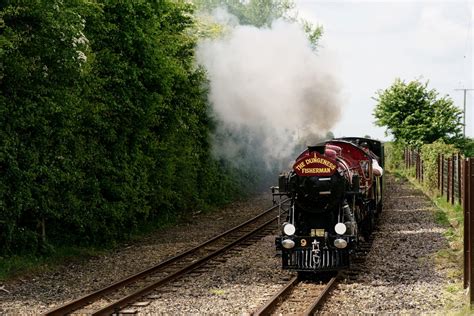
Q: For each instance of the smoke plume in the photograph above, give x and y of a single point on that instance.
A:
(269, 84)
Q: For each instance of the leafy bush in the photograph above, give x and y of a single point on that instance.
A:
(466, 146)
(394, 155)
(429, 155)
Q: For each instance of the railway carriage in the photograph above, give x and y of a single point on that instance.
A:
(335, 194)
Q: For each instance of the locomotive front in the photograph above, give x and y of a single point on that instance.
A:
(320, 228)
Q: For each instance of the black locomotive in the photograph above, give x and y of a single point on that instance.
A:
(335, 193)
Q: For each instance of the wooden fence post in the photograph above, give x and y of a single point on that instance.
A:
(470, 204)
(439, 172)
(449, 180)
(421, 170)
(459, 179)
(417, 166)
(467, 256)
(452, 179)
(442, 175)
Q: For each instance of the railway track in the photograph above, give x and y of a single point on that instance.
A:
(117, 297)
(298, 297)
(305, 297)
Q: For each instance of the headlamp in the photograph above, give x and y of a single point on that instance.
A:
(289, 229)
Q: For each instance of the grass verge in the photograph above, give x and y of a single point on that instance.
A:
(24, 265)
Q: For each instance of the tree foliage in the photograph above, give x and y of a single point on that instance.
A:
(103, 121)
(253, 12)
(429, 155)
(259, 13)
(394, 156)
(466, 146)
(415, 114)
(43, 61)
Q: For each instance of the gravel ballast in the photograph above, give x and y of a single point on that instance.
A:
(399, 274)
(34, 294)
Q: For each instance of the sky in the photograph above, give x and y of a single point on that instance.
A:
(373, 42)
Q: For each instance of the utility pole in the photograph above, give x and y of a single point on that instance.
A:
(464, 110)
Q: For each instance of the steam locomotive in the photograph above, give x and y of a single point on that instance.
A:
(335, 194)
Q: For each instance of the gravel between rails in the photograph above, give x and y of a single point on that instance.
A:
(399, 274)
(237, 286)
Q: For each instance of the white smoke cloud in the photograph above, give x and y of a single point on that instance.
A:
(269, 81)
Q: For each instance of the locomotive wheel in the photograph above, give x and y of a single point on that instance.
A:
(379, 208)
(372, 219)
(369, 224)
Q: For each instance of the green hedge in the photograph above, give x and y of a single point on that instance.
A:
(104, 121)
(429, 155)
(394, 155)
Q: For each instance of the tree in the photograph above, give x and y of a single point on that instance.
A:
(43, 61)
(254, 12)
(104, 123)
(416, 115)
(259, 13)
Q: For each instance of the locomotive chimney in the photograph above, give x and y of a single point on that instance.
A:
(318, 148)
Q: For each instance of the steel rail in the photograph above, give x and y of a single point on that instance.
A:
(271, 304)
(87, 299)
(321, 297)
(125, 301)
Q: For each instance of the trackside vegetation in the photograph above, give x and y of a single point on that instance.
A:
(104, 122)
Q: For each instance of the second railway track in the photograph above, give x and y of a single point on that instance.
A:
(116, 297)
